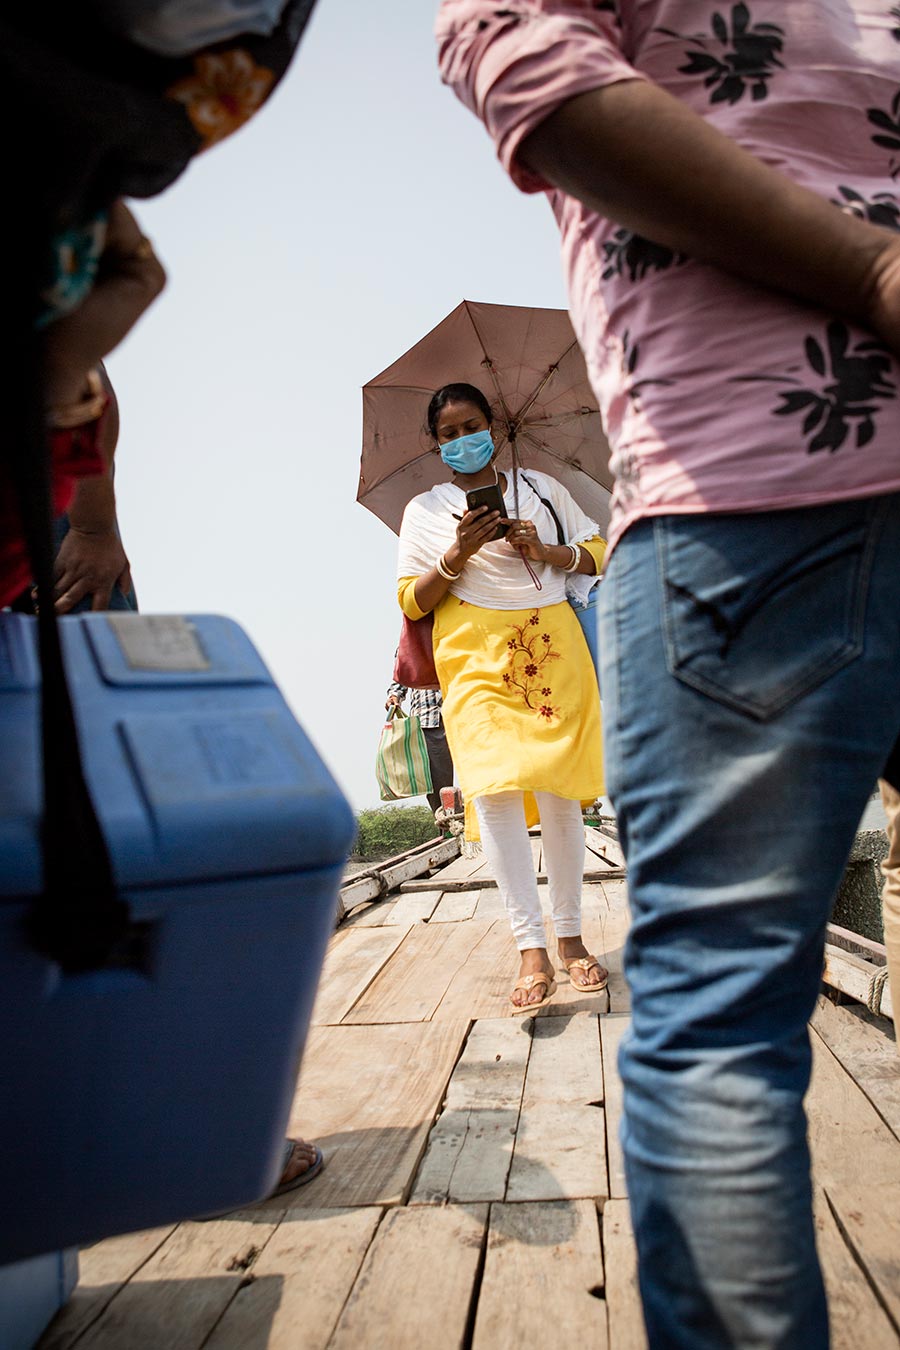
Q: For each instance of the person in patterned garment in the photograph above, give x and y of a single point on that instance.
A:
(723, 176)
(426, 705)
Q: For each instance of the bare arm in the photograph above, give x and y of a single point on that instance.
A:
(91, 560)
(637, 155)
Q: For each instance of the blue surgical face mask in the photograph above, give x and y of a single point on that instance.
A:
(468, 454)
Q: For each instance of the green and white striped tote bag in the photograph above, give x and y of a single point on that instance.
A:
(402, 767)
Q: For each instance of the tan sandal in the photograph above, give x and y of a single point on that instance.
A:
(587, 963)
(528, 982)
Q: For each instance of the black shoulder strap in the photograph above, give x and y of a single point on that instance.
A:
(561, 538)
(78, 918)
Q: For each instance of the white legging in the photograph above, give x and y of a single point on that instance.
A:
(504, 836)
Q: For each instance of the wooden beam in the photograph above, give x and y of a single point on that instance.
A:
(387, 876)
(853, 975)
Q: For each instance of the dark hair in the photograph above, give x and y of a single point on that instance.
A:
(455, 393)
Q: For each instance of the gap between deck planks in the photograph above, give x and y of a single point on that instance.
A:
(523, 1116)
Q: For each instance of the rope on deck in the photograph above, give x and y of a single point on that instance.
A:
(875, 988)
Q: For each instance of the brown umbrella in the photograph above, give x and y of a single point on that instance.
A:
(529, 365)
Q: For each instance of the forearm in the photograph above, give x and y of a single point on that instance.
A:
(432, 586)
(637, 155)
(93, 506)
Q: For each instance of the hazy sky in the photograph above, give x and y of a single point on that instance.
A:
(304, 255)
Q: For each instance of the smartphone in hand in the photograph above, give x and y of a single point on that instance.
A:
(492, 498)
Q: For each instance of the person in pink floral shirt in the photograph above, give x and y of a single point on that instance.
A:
(723, 178)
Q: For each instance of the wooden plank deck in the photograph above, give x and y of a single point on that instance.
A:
(474, 1187)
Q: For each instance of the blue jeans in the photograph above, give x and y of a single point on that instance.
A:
(750, 667)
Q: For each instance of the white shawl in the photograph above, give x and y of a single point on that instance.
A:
(496, 577)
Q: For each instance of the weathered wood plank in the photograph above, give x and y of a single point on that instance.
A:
(357, 892)
(417, 1282)
(410, 909)
(461, 869)
(414, 981)
(481, 987)
(471, 1145)
(623, 1299)
(604, 846)
(869, 1218)
(441, 851)
(559, 1151)
(844, 1127)
(177, 1297)
(354, 959)
(868, 1051)
(374, 915)
(456, 906)
(543, 1262)
(102, 1271)
(300, 1283)
(853, 975)
(490, 904)
(856, 1317)
(368, 1096)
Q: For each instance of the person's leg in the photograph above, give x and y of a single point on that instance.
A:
(562, 835)
(504, 838)
(890, 896)
(749, 670)
(439, 762)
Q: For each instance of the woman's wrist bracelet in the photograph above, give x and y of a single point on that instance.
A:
(576, 558)
(444, 570)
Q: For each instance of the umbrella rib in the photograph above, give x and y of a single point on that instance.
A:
(490, 365)
(523, 411)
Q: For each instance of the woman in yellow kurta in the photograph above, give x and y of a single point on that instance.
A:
(520, 700)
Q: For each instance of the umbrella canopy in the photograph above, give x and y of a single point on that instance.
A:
(528, 364)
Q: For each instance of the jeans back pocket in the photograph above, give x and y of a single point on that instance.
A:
(760, 609)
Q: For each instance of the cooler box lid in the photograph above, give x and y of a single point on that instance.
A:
(197, 767)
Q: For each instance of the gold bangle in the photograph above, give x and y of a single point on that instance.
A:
(87, 409)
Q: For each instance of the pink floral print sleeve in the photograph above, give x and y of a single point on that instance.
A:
(717, 394)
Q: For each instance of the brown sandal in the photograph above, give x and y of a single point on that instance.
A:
(587, 963)
(528, 982)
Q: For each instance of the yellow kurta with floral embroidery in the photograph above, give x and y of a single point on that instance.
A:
(521, 705)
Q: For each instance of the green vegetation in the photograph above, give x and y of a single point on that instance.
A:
(392, 829)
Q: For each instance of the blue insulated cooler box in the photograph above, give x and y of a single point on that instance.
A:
(159, 1086)
(31, 1294)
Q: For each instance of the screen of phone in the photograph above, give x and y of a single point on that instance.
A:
(492, 498)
